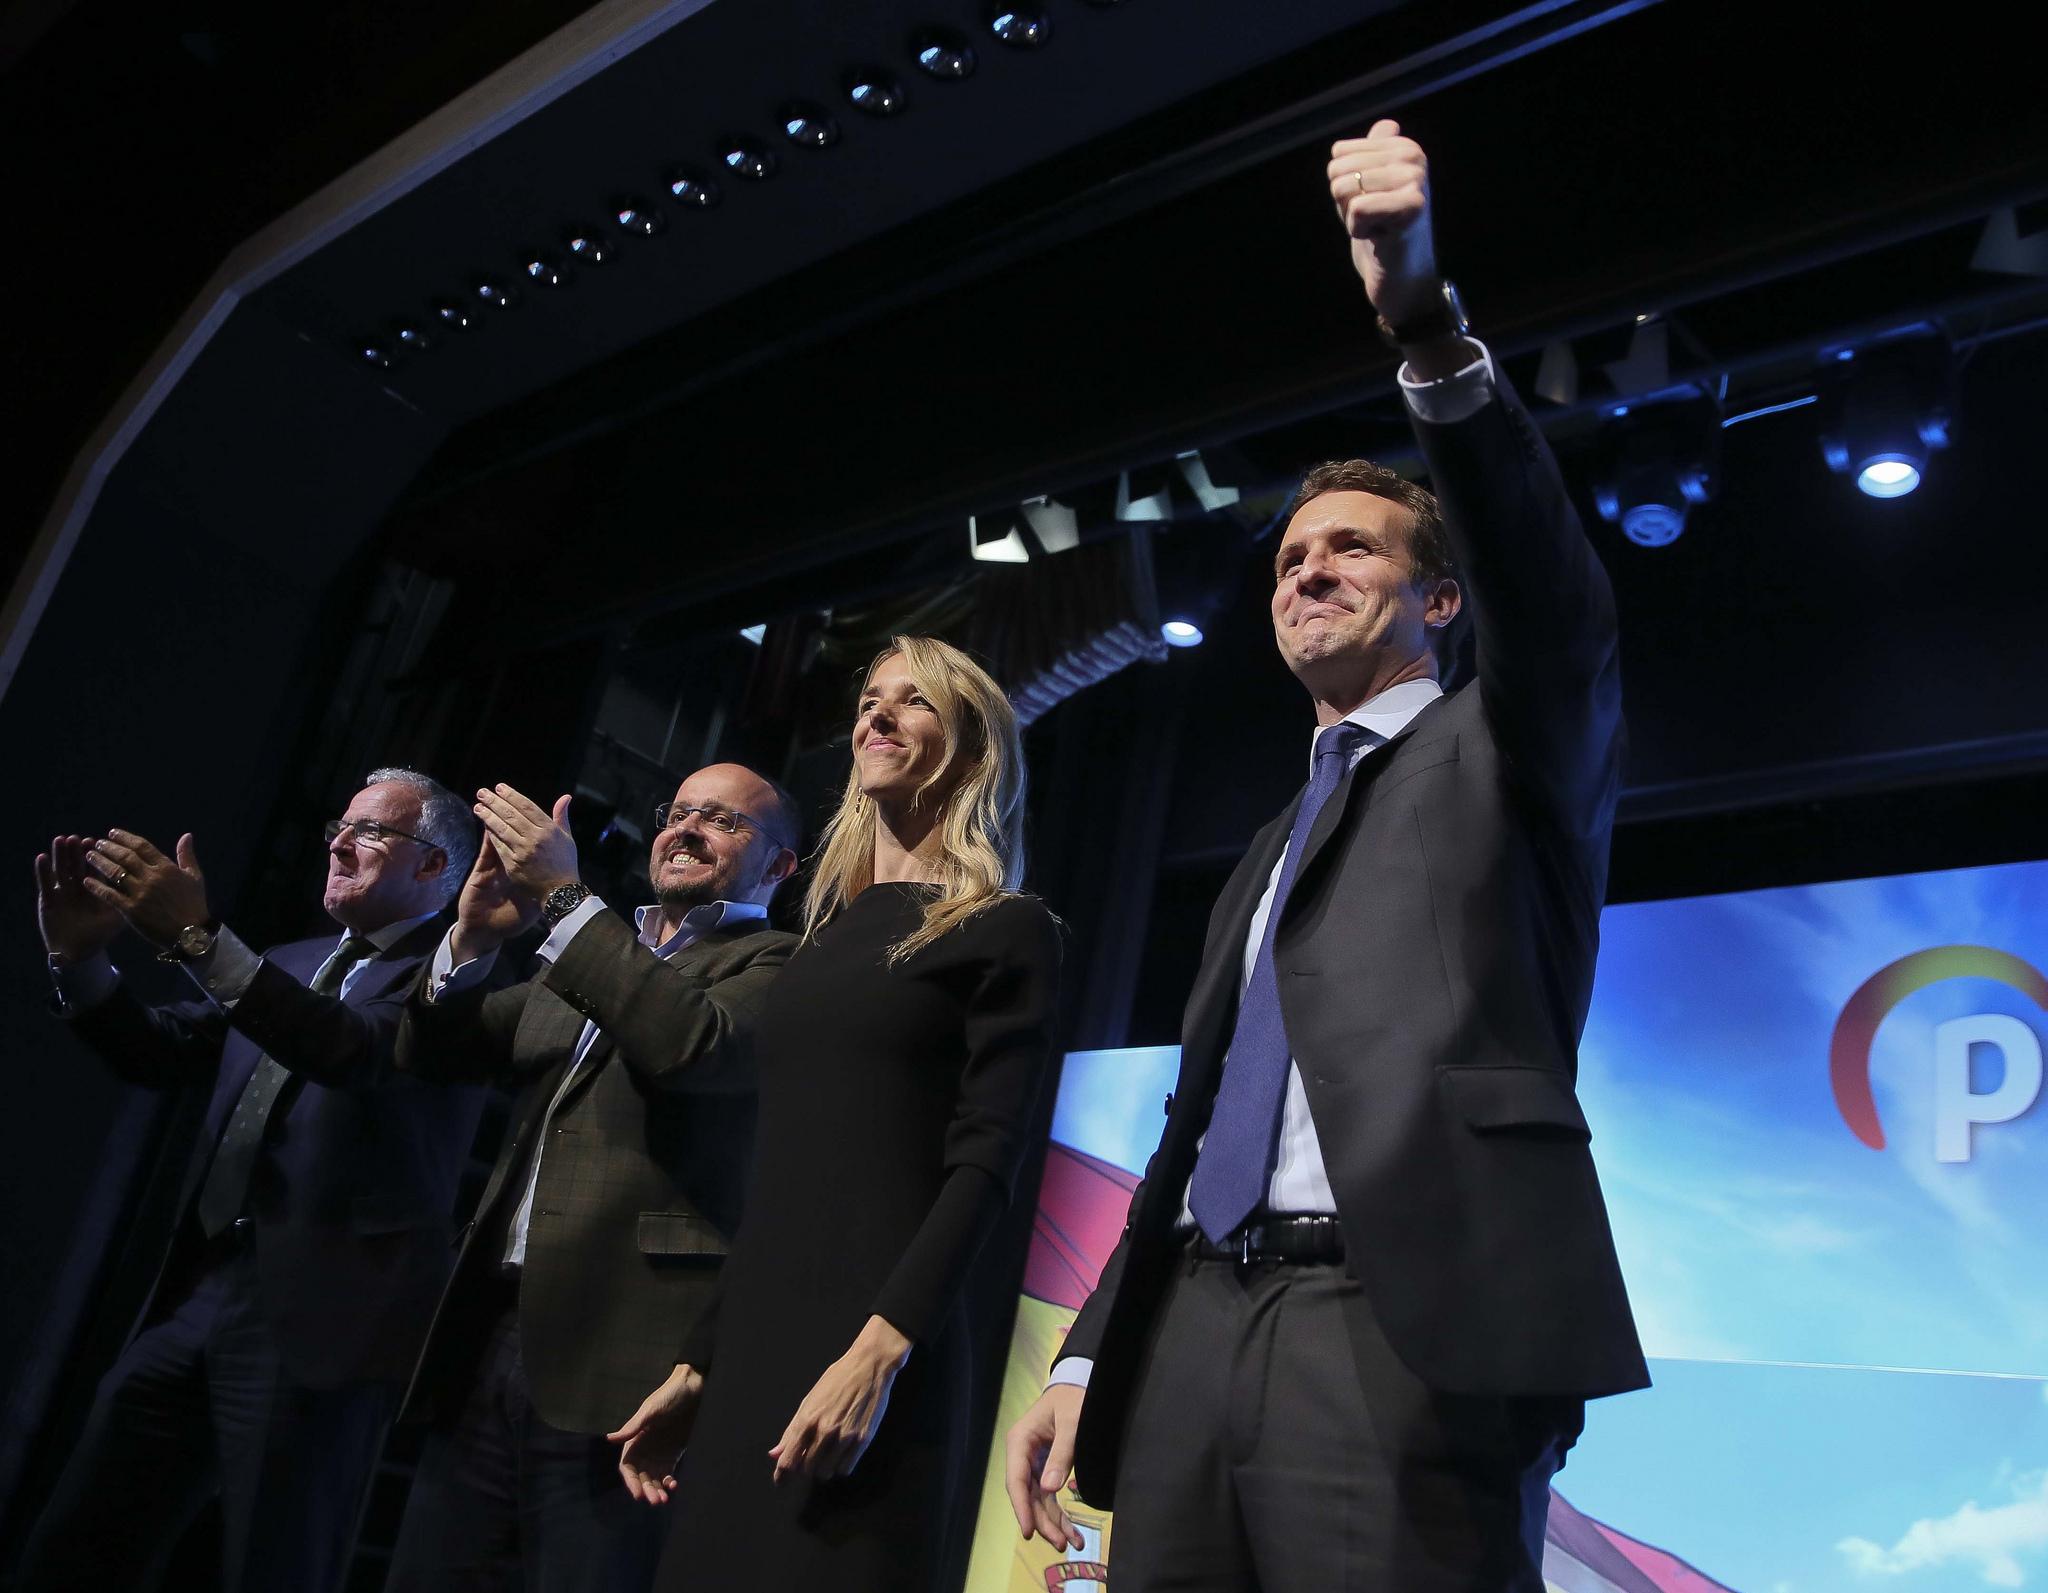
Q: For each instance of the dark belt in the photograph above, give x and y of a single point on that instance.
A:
(1305, 1240)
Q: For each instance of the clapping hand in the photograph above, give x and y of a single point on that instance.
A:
(158, 895)
(75, 923)
(491, 909)
(534, 845)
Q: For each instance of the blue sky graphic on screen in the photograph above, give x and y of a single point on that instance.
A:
(1840, 1266)
(1753, 1222)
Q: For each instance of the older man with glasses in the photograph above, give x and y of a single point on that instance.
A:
(315, 1218)
(603, 1224)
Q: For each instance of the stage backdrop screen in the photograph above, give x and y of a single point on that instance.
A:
(1817, 1117)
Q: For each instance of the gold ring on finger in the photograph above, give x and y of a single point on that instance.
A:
(120, 878)
(1358, 177)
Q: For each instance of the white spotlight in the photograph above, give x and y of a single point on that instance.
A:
(1056, 527)
(1006, 548)
(1207, 493)
(1888, 476)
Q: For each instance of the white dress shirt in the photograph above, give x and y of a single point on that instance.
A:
(1299, 1182)
(449, 977)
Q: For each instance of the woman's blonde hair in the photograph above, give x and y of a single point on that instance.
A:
(981, 856)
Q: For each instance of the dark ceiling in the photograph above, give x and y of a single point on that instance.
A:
(1086, 257)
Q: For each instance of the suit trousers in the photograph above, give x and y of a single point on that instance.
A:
(1268, 1454)
(504, 1501)
(199, 1404)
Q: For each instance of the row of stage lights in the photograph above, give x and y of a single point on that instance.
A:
(1884, 411)
(941, 53)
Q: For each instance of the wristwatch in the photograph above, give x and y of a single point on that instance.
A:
(563, 900)
(194, 940)
(1446, 318)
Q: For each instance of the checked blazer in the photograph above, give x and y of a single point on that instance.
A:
(353, 1192)
(1435, 963)
(643, 1161)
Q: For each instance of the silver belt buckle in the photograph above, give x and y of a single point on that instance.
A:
(1244, 1246)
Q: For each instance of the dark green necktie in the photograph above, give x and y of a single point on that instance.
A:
(227, 1181)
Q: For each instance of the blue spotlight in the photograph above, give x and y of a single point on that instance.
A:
(1890, 475)
(1889, 414)
(875, 91)
(1656, 464)
(1181, 633)
(943, 54)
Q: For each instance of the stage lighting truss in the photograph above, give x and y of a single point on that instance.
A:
(1887, 410)
(1039, 526)
(937, 51)
(1147, 493)
(1659, 458)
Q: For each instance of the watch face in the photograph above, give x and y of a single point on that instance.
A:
(192, 941)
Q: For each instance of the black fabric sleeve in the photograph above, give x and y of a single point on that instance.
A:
(465, 1037)
(1009, 1044)
(1542, 608)
(322, 1038)
(163, 1047)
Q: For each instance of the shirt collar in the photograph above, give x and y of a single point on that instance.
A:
(699, 920)
(1388, 714)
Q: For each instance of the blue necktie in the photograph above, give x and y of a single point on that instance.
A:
(1237, 1154)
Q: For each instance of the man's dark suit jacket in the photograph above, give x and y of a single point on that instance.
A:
(1435, 961)
(644, 1167)
(353, 1192)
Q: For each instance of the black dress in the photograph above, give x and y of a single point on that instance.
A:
(895, 1107)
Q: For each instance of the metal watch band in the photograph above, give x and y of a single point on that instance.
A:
(561, 902)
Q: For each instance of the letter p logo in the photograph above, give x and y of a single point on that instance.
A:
(1956, 1106)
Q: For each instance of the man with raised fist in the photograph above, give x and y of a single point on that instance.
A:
(315, 1220)
(1367, 1283)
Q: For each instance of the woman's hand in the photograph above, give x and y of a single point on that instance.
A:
(841, 1414)
(654, 1435)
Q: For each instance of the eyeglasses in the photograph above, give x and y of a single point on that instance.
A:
(723, 820)
(369, 832)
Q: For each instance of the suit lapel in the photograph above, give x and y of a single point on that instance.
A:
(1361, 776)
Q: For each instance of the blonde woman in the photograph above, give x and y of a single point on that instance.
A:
(901, 1056)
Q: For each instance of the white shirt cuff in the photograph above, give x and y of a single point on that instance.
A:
(564, 932)
(226, 970)
(87, 983)
(1450, 399)
(448, 979)
(1073, 1369)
